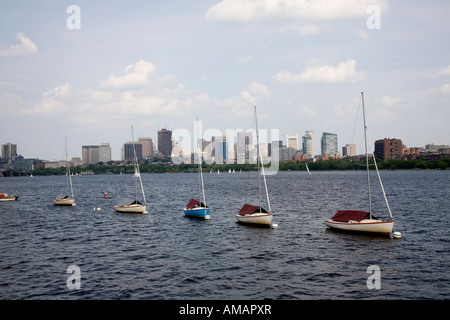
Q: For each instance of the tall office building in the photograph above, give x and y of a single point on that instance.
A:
(244, 144)
(104, 152)
(147, 147)
(308, 143)
(293, 142)
(220, 149)
(388, 149)
(349, 150)
(329, 144)
(165, 142)
(90, 154)
(9, 150)
(95, 154)
(128, 150)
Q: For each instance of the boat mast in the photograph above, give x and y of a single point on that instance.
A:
(262, 167)
(68, 171)
(367, 155)
(200, 156)
(136, 167)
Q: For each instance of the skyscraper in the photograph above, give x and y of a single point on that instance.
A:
(9, 150)
(90, 154)
(165, 142)
(104, 152)
(349, 150)
(293, 142)
(308, 143)
(329, 144)
(147, 147)
(128, 150)
(244, 144)
(220, 149)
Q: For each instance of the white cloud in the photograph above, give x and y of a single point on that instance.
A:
(246, 59)
(135, 76)
(53, 102)
(343, 72)
(306, 112)
(26, 46)
(279, 10)
(445, 89)
(241, 106)
(444, 72)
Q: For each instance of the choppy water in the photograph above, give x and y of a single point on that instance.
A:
(164, 255)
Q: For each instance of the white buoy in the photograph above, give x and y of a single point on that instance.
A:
(274, 226)
(207, 217)
(397, 235)
(98, 209)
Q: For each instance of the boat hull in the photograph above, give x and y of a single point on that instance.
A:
(135, 208)
(9, 198)
(197, 212)
(364, 226)
(260, 219)
(64, 202)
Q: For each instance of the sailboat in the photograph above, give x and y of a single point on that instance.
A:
(196, 208)
(64, 199)
(257, 215)
(362, 221)
(307, 169)
(128, 205)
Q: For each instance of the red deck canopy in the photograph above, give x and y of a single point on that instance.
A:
(346, 215)
(249, 209)
(193, 203)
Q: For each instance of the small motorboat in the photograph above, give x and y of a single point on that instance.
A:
(6, 197)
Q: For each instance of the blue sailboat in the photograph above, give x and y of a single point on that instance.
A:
(195, 208)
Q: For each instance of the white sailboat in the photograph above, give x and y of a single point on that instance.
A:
(128, 205)
(194, 207)
(64, 199)
(307, 169)
(362, 221)
(257, 215)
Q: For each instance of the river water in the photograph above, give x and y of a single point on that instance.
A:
(164, 255)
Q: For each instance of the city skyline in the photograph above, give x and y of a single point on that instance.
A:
(91, 71)
(146, 147)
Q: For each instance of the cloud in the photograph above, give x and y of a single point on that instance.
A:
(279, 10)
(306, 112)
(241, 106)
(25, 47)
(444, 72)
(245, 59)
(445, 89)
(53, 102)
(135, 76)
(343, 72)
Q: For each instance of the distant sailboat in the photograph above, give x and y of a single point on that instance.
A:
(307, 169)
(128, 205)
(64, 199)
(196, 208)
(251, 214)
(362, 221)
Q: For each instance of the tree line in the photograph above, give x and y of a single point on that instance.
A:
(167, 167)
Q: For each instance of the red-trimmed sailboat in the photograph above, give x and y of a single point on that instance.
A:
(363, 221)
(257, 215)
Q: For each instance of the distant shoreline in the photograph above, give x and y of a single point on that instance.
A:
(328, 165)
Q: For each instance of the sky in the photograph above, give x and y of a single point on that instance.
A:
(91, 70)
